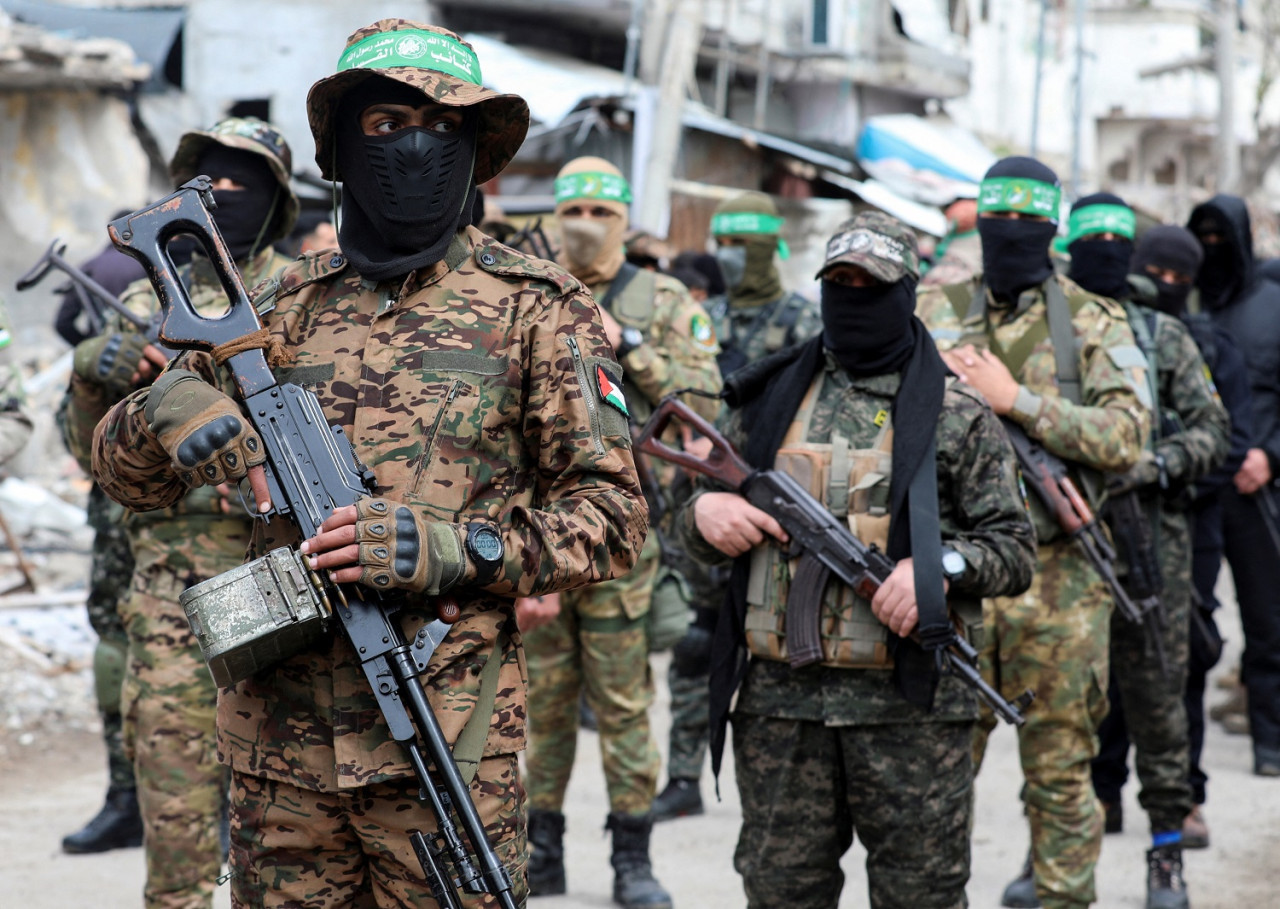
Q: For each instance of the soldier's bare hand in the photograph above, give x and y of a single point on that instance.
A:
(894, 603)
(732, 524)
(1254, 473)
(534, 612)
(334, 547)
(984, 371)
(152, 363)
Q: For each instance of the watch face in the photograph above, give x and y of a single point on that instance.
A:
(486, 545)
(953, 563)
(632, 337)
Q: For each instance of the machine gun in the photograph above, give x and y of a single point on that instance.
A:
(815, 531)
(1050, 481)
(94, 298)
(312, 470)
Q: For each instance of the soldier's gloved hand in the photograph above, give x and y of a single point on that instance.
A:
(1145, 473)
(202, 429)
(110, 360)
(384, 545)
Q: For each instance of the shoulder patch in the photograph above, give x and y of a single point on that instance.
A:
(497, 259)
(611, 391)
(701, 331)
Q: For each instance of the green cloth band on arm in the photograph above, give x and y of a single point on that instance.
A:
(411, 47)
(1102, 219)
(589, 185)
(1020, 194)
(745, 222)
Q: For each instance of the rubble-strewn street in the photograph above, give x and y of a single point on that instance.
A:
(53, 776)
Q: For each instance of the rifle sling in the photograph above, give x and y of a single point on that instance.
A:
(469, 747)
(1056, 326)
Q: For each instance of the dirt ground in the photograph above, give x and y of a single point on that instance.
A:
(52, 779)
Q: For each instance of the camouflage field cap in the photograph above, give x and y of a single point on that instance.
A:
(880, 243)
(247, 134)
(440, 64)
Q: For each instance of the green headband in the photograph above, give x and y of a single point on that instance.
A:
(745, 222)
(592, 185)
(414, 47)
(1019, 194)
(1102, 219)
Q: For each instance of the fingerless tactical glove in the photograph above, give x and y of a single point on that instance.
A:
(399, 549)
(202, 429)
(110, 360)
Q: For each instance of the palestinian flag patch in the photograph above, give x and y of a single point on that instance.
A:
(611, 393)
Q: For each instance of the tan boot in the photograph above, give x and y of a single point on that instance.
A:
(1195, 832)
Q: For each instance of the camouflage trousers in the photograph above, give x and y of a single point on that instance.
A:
(599, 645)
(294, 847)
(1152, 701)
(170, 707)
(110, 572)
(690, 729)
(1054, 640)
(807, 788)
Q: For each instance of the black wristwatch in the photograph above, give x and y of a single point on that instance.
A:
(953, 564)
(485, 549)
(632, 338)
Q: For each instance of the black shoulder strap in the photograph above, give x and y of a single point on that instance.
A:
(1063, 336)
(620, 281)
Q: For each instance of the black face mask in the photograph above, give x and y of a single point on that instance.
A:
(405, 194)
(242, 214)
(1015, 254)
(1171, 298)
(869, 328)
(1101, 266)
(1218, 276)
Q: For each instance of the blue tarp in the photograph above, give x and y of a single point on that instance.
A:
(925, 161)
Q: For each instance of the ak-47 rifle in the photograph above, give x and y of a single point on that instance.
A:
(1131, 526)
(813, 530)
(312, 470)
(94, 298)
(1051, 482)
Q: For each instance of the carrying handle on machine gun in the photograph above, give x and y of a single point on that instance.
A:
(86, 287)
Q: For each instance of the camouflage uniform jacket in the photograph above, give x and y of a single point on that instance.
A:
(1106, 431)
(192, 538)
(748, 333)
(474, 393)
(1194, 428)
(680, 351)
(981, 515)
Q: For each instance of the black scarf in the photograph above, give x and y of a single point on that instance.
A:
(1102, 266)
(405, 194)
(1015, 254)
(1219, 275)
(868, 328)
(771, 392)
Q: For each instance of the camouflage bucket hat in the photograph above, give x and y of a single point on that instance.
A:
(246, 134)
(438, 63)
(881, 244)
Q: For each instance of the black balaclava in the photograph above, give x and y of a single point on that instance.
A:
(1015, 254)
(869, 328)
(1176, 248)
(1228, 266)
(406, 194)
(242, 215)
(1101, 266)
